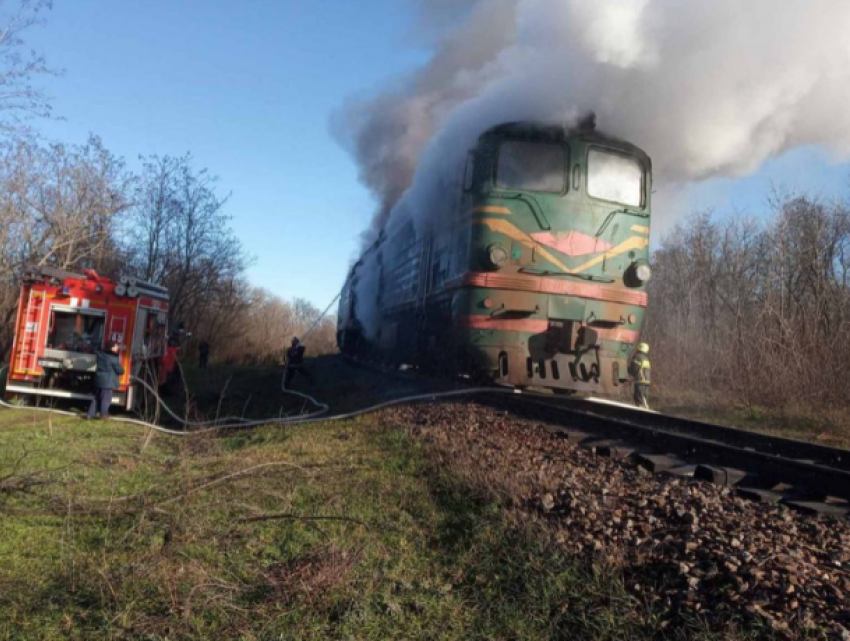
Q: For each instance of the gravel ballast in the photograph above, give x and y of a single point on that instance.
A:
(688, 547)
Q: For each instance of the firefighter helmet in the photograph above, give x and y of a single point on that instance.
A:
(643, 348)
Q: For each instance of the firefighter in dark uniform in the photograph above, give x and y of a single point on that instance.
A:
(295, 363)
(203, 354)
(641, 373)
(106, 379)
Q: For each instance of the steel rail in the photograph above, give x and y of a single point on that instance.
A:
(779, 446)
(766, 457)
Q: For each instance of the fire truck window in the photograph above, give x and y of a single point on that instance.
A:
(150, 332)
(73, 332)
(154, 338)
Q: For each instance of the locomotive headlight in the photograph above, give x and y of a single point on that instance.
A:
(637, 275)
(643, 272)
(497, 256)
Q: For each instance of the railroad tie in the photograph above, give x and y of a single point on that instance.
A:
(818, 508)
(758, 495)
(657, 463)
(725, 476)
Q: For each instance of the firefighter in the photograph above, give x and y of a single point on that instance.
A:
(105, 379)
(639, 370)
(203, 354)
(295, 363)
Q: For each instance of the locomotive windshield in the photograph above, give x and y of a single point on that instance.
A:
(531, 166)
(615, 177)
(75, 332)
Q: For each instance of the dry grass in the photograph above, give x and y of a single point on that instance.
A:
(821, 425)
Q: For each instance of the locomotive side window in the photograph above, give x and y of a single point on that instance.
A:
(615, 177)
(532, 166)
(469, 172)
(75, 332)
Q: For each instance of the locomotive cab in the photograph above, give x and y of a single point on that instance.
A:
(559, 256)
(540, 277)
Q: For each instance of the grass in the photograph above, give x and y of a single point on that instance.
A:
(231, 390)
(338, 531)
(826, 427)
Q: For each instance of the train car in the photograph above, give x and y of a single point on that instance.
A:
(63, 317)
(536, 278)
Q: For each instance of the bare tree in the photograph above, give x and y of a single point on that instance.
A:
(20, 99)
(59, 206)
(756, 311)
(266, 323)
(179, 235)
(152, 217)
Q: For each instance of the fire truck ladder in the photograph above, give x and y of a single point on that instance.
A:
(28, 354)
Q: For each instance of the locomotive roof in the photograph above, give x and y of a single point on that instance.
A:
(584, 130)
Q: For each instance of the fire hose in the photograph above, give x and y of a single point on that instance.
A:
(320, 318)
(236, 423)
(317, 416)
(206, 426)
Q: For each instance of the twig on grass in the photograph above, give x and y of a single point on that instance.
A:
(300, 517)
(230, 477)
(221, 398)
(245, 407)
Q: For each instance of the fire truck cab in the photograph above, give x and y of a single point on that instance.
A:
(64, 317)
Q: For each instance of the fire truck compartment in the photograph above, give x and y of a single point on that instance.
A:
(64, 360)
(75, 330)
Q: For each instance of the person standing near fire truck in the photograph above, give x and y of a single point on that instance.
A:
(106, 379)
(295, 363)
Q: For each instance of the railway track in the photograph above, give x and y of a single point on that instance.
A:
(810, 478)
(805, 476)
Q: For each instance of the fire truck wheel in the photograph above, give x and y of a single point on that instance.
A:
(19, 400)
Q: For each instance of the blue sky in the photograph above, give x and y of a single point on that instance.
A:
(249, 87)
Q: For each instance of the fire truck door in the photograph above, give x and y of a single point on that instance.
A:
(140, 342)
(117, 329)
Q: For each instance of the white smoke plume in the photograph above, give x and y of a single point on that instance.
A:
(707, 88)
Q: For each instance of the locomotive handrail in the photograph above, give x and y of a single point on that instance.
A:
(533, 205)
(545, 272)
(610, 217)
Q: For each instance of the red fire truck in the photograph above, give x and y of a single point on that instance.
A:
(63, 317)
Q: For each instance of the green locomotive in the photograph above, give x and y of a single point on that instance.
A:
(536, 278)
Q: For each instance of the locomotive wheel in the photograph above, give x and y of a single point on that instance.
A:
(563, 392)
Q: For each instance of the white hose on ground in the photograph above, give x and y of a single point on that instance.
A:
(314, 417)
(234, 422)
